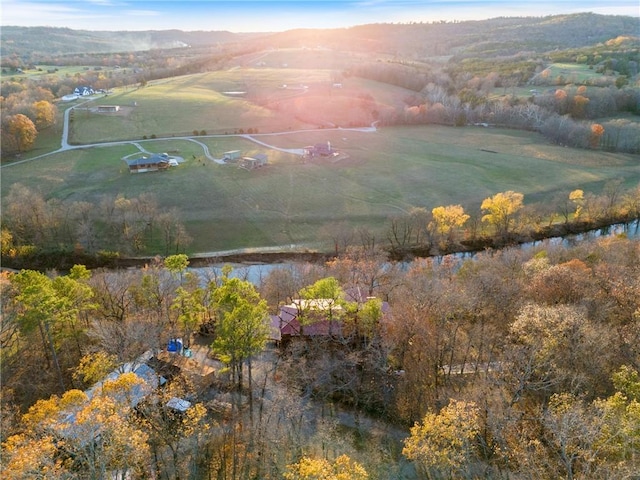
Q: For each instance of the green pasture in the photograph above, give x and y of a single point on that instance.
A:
(576, 73)
(69, 70)
(175, 108)
(380, 174)
(181, 106)
(309, 58)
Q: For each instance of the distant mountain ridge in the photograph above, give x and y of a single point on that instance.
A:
(493, 37)
(62, 41)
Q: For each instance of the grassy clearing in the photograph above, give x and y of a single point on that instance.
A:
(289, 201)
(42, 71)
(310, 59)
(575, 73)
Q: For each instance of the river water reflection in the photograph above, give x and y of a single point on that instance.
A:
(256, 273)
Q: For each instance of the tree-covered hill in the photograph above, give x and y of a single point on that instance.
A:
(25, 41)
(497, 36)
(494, 37)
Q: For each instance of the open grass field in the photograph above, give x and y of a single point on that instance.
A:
(273, 100)
(289, 202)
(43, 71)
(575, 73)
(378, 174)
(197, 102)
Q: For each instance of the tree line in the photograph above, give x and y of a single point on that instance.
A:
(514, 363)
(569, 115)
(51, 233)
(23, 112)
(501, 219)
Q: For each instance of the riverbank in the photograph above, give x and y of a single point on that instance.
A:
(63, 260)
(555, 231)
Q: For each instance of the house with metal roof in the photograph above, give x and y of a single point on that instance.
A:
(145, 164)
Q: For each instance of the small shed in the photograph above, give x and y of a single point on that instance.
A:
(231, 155)
(179, 405)
(108, 108)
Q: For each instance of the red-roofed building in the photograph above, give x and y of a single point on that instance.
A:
(308, 318)
(313, 318)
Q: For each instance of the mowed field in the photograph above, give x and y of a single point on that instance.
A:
(378, 174)
(239, 99)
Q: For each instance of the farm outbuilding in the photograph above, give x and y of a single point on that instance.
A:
(258, 160)
(108, 108)
(232, 155)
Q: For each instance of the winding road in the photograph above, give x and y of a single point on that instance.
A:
(65, 146)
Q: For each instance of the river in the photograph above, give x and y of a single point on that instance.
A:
(257, 272)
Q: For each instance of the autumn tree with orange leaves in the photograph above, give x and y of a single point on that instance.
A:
(18, 134)
(597, 131)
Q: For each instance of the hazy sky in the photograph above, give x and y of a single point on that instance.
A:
(267, 15)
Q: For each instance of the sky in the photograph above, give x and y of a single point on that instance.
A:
(271, 16)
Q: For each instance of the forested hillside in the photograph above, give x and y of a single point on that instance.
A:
(32, 44)
(488, 38)
(519, 363)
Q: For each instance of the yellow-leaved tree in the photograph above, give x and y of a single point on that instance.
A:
(44, 113)
(501, 209)
(22, 130)
(447, 219)
(442, 446)
(597, 131)
(74, 433)
(577, 197)
(343, 468)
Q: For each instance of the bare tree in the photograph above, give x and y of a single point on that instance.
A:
(174, 234)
